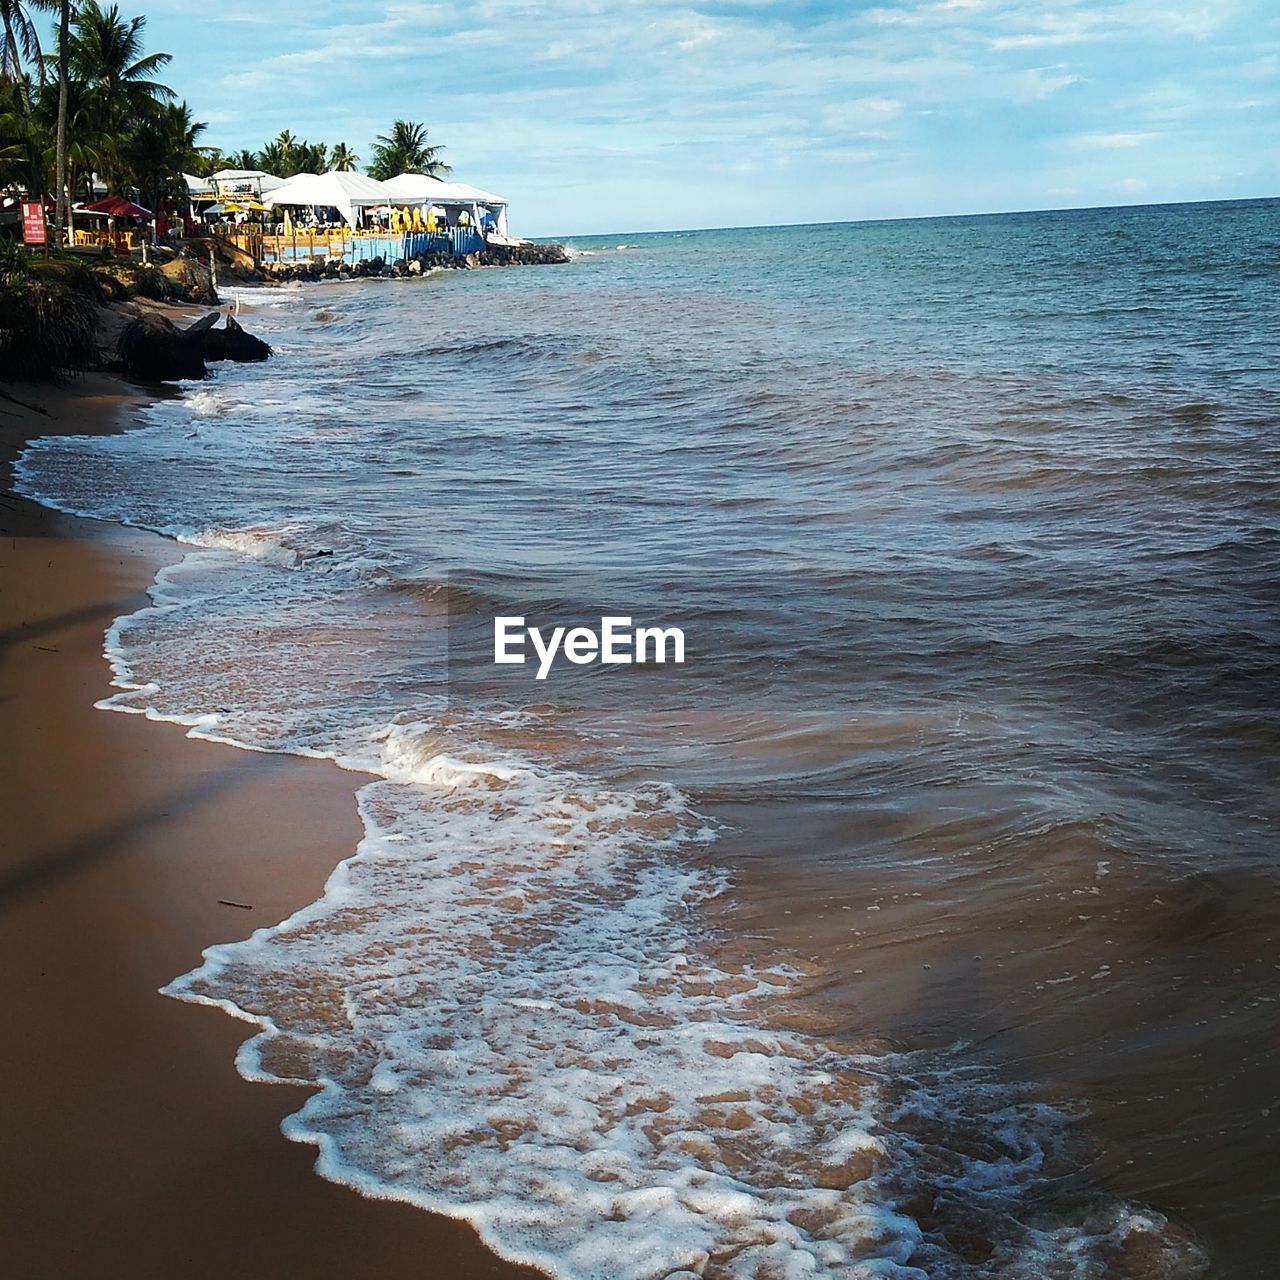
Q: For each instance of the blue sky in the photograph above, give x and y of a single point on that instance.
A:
(628, 115)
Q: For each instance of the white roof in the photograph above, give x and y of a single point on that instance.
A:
(345, 192)
(266, 181)
(464, 191)
(198, 185)
(418, 188)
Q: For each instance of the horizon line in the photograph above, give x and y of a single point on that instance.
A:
(912, 217)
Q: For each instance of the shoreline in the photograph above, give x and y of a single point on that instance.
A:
(143, 1150)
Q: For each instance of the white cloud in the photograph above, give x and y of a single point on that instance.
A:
(1109, 141)
(951, 96)
(1037, 83)
(849, 155)
(861, 112)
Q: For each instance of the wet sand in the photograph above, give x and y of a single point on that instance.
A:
(132, 1146)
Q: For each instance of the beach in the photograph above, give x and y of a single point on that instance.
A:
(134, 1146)
(921, 921)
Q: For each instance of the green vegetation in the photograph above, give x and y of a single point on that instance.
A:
(49, 305)
(89, 107)
(121, 122)
(96, 107)
(406, 150)
(48, 315)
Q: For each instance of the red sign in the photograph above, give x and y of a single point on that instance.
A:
(33, 222)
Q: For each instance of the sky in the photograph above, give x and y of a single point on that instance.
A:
(604, 116)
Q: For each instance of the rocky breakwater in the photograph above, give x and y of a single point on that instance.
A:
(516, 255)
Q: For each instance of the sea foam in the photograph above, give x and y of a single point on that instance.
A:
(520, 1009)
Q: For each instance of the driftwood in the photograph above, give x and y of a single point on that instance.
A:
(232, 342)
(203, 325)
(153, 349)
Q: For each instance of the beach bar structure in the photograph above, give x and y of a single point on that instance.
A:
(402, 218)
(230, 184)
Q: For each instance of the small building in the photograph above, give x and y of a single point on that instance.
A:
(254, 184)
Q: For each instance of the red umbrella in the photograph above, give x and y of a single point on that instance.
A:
(118, 207)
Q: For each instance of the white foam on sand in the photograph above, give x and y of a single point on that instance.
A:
(517, 1012)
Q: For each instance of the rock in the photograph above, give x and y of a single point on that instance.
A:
(520, 255)
(191, 280)
(233, 343)
(415, 268)
(152, 349)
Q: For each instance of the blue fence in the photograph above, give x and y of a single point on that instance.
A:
(458, 240)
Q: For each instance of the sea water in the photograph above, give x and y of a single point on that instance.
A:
(923, 921)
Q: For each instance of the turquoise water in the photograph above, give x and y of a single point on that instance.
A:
(923, 921)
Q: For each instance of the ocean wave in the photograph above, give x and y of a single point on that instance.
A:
(521, 1008)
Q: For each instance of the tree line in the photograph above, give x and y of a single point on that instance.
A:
(96, 105)
(404, 149)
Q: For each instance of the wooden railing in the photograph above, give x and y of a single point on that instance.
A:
(301, 244)
(120, 241)
(248, 239)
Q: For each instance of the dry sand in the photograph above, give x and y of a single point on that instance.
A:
(131, 1147)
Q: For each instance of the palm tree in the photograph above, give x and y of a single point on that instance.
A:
(285, 155)
(105, 53)
(342, 158)
(62, 210)
(243, 159)
(310, 157)
(277, 156)
(22, 143)
(166, 145)
(21, 45)
(85, 149)
(406, 150)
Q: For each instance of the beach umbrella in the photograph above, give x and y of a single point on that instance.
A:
(119, 207)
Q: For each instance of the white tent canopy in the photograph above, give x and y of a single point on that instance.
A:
(413, 188)
(345, 192)
(462, 192)
(419, 189)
